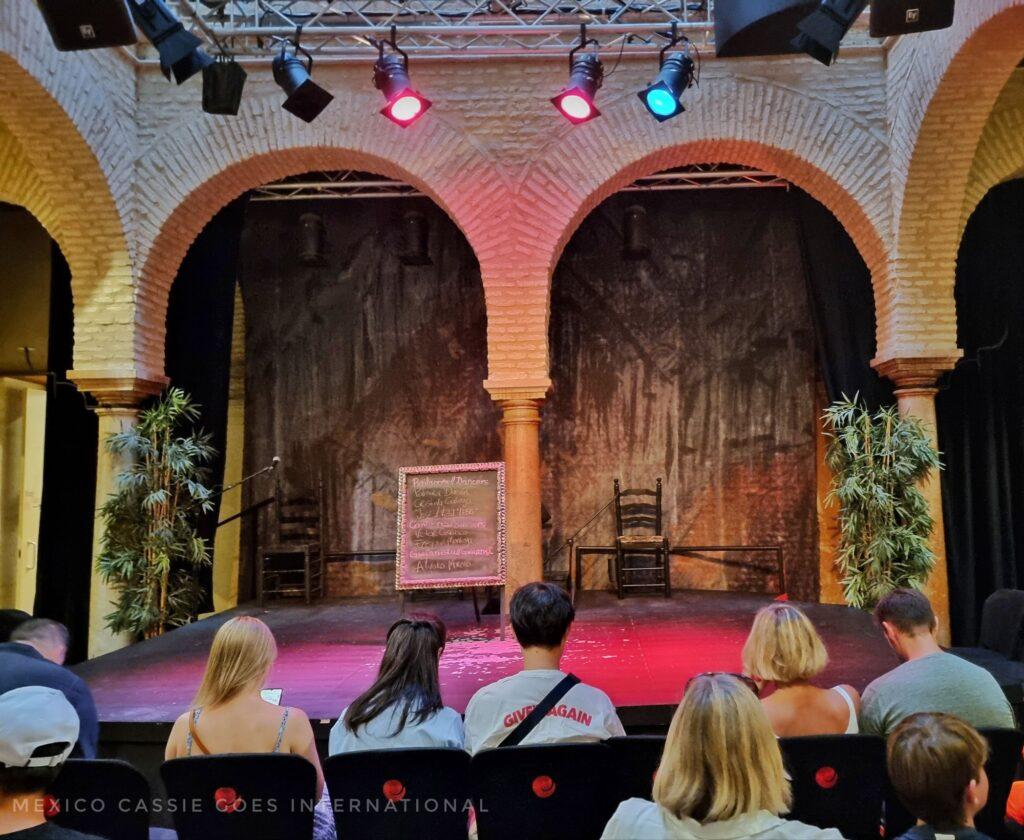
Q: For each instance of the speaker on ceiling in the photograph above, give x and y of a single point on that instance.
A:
(758, 27)
(88, 24)
(903, 17)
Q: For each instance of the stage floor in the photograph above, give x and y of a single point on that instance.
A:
(640, 650)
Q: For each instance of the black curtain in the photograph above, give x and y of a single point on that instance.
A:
(198, 346)
(69, 479)
(981, 412)
(842, 305)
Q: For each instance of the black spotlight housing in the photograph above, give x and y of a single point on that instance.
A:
(823, 30)
(403, 105)
(223, 82)
(636, 239)
(306, 99)
(180, 53)
(415, 239)
(586, 75)
(311, 239)
(662, 98)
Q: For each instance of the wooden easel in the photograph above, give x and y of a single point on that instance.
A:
(503, 613)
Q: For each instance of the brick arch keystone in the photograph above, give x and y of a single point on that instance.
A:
(950, 82)
(192, 173)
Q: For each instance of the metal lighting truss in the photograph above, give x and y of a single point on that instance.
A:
(341, 30)
(348, 184)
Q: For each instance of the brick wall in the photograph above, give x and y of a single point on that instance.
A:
(125, 168)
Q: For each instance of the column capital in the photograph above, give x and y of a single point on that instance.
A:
(114, 389)
(518, 389)
(916, 373)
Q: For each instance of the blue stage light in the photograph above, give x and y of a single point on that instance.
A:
(662, 97)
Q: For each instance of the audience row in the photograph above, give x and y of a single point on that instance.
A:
(721, 774)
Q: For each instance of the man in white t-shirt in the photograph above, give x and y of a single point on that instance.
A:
(541, 615)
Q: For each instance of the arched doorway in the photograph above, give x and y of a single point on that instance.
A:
(364, 350)
(705, 359)
(981, 412)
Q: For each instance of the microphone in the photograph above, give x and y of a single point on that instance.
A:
(275, 462)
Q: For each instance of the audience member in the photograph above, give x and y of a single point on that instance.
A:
(9, 619)
(937, 768)
(38, 728)
(785, 651)
(229, 715)
(403, 707)
(541, 616)
(929, 680)
(721, 774)
(35, 656)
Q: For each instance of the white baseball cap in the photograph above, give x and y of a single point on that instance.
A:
(32, 717)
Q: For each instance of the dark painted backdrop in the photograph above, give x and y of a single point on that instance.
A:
(362, 365)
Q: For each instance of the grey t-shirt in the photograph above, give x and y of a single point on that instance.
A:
(939, 682)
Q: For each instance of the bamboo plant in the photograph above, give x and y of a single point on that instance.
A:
(151, 551)
(878, 460)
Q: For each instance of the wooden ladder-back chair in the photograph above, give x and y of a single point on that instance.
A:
(638, 535)
(294, 565)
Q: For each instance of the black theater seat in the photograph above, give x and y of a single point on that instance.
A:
(1001, 642)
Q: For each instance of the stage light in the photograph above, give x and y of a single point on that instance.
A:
(823, 30)
(403, 105)
(311, 239)
(223, 82)
(636, 240)
(415, 239)
(586, 74)
(179, 50)
(306, 99)
(663, 97)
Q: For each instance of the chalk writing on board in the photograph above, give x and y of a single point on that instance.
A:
(451, 526)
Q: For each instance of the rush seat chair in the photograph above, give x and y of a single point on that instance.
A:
(385, 794)
(563, 791)
(241, 797)
(638, 535)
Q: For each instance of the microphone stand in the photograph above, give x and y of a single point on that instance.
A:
(272, 466)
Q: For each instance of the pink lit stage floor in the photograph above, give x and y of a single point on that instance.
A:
(641, 650)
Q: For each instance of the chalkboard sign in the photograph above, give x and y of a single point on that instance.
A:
(451, 526)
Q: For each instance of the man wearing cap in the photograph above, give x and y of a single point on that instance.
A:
(38, 727)
(35, 656)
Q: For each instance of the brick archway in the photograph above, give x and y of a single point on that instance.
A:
(185, 195)
(953, 81)
(800, 138)
(48, 168)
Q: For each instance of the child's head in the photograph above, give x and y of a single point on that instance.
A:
(541, 614)
(937, 766)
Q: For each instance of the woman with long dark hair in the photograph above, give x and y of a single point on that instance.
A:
(403, 707)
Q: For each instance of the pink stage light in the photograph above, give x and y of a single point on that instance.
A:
(406, 108)
(576, 101)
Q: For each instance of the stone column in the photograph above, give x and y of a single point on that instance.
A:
(915, 380)
(520, 423)
(118, 401)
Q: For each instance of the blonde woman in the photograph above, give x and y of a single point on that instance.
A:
(721, 774)
(228, 714)
(784, 651)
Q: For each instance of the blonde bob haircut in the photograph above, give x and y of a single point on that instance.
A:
(241, 655)
(721, 759)
(783, 646)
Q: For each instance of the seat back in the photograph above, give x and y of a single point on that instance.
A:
(635, 759)
(102, 797)
(1004, 758)
(838, 782)
(546, 791)
(241, 797)
(637, 510)
(400, 793)
(1002, 623)
(299, 518)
